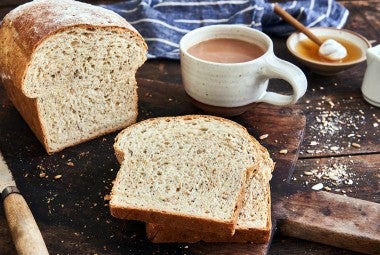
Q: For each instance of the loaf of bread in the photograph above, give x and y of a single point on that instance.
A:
(253, 225)
(69, 69)
(187, 171)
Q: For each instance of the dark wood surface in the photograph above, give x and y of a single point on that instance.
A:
(71, 210)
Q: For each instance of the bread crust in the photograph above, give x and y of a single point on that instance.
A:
(223, 228)
(120, 155)
(163, 234)
(226, 228)
(28, 26)
(178, 233)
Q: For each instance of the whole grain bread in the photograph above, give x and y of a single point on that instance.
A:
(254, 222)
(69, 69)
(185, 171)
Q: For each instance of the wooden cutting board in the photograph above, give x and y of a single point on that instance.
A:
(67, 191)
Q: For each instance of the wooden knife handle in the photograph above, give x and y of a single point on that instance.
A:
(331, 219)
(25, 233)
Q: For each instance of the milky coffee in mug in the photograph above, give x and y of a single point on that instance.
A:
(226, 50)
(220, 72)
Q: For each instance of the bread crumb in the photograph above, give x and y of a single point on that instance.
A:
(356, 145)
(335, 175)
(41, 167)
(283, 151)
(58, 176)
(349, 182)
(264, 136)
(70, 163)
(331, 126)
(318, 186)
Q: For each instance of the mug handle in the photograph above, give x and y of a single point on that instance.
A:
(281, 69)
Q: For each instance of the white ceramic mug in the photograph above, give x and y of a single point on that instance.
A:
(371, 85)
(235, 85)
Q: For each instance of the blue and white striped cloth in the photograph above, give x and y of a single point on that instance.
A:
(162, 23)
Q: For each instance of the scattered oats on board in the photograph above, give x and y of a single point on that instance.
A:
(308, 173)
(333, 127)
(336, 175)
(318, 186)
(264, 136)
(58, 176)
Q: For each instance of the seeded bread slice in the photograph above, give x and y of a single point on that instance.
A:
(69, 69)
(253, 224)
(185, 171)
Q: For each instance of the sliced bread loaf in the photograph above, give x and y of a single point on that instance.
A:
(69, 68)
(253, 224)
(185, 171)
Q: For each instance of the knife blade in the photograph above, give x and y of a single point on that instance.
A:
(22, 225)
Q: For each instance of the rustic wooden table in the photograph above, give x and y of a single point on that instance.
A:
(341, 137)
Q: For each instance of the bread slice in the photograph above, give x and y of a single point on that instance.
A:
(69, 69)
(253, 225)
(185, 171)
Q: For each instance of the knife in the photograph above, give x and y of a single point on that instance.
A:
(22, 225)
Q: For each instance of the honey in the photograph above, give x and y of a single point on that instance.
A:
(309, 50)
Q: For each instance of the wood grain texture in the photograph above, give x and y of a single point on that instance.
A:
(72, 209)
(23, 227)
(362, 170)
(331, 219)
